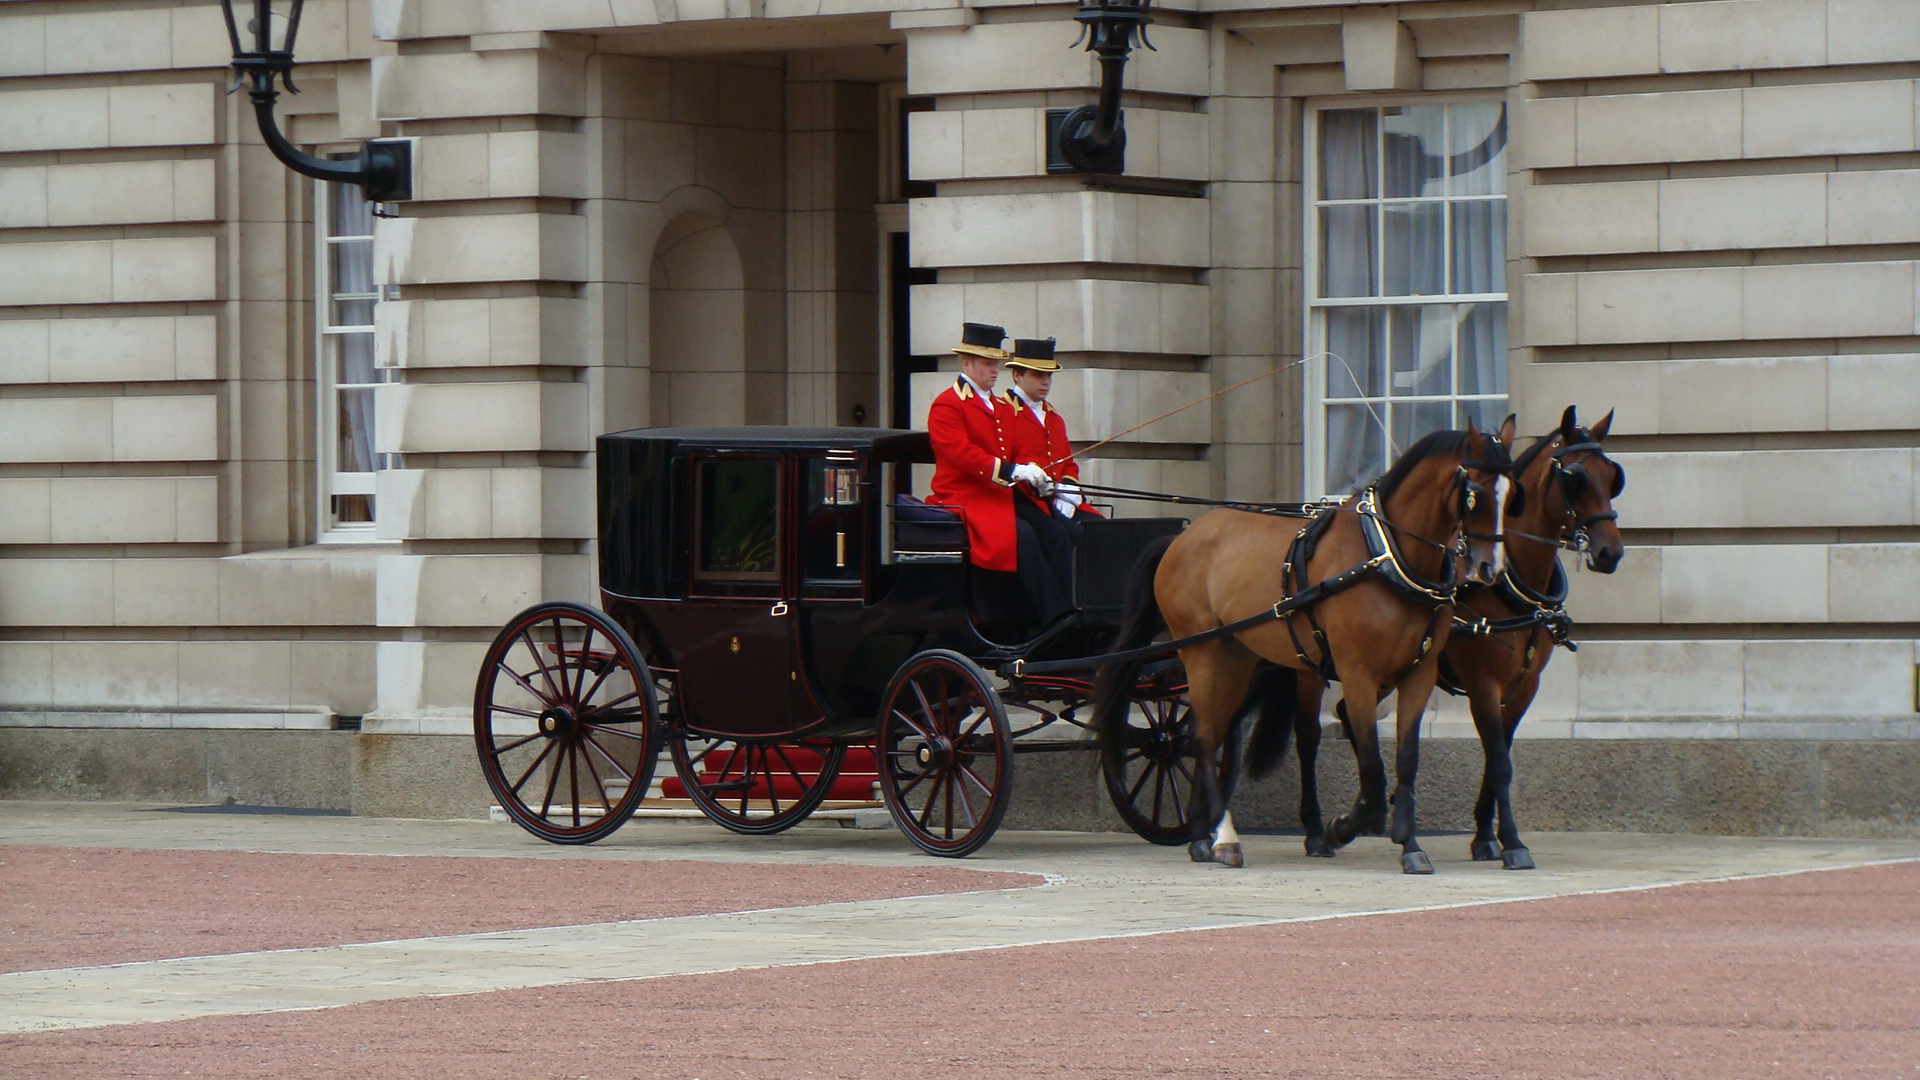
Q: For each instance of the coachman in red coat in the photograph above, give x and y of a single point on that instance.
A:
(977, 470)
(1039, 432)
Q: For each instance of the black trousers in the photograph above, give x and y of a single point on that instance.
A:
(1046, 559)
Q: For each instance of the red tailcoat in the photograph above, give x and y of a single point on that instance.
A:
(971, 470)
(1045, 445)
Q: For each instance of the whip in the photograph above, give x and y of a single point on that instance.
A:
(1170, 412)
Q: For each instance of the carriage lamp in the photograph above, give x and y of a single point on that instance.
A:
(383, 169)
(1093, 138)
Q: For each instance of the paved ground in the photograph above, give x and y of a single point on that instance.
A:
(145, 943)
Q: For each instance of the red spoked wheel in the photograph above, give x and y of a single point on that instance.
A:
(1152, 781)
(945, 753)
(564, 715)
(755, 786)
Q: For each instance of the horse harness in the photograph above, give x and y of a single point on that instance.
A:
(1540, 610)
(1383, 558)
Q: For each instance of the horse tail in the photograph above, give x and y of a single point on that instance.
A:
(1113, 686)
(1274, 692)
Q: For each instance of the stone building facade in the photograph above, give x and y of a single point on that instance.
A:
(273, 467)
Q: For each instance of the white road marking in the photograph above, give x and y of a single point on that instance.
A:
(1066, 910)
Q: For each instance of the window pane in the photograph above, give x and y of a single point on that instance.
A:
(355, 450)
(352, 213)
(1413, 419)
(1415, 256)
(354, 359)
(1348, 248)
(1486, 415)
(1480, 247)
(1414, 143)
(352, 270)
(1348, 156)
(353, 509)
(1355, 448)
(1422, 347)
(1477, 148)
(1356, 352)
(739, 514)
(1483, 349)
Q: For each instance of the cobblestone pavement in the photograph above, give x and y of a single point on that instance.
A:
(304, 923)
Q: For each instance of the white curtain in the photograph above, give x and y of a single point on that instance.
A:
(1349, 266)
(1383, 247)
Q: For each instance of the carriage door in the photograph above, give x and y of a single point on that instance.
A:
(833, 527)
(739, 674)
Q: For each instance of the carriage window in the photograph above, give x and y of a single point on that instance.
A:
(739, 519)
(1407, 289)
(834, 529)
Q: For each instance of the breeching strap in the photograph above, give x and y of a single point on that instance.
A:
(1306, 596)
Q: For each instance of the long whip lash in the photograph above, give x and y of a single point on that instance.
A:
(1170, 412)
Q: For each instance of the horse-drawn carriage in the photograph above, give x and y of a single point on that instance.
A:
(775, 600)
(772, 604)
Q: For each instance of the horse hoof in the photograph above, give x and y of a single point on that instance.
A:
(1228, 855)
(1318, 848)
(1485, 851)
(1340, 834)
(1415, 862)
(1517, 859)
(1200, 852)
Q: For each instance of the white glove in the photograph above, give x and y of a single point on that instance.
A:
(1066, 498)
(1034, 477)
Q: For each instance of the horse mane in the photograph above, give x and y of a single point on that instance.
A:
(1528, 455)
(1432, 445)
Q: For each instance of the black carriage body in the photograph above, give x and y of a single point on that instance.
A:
(749, 561)
(765, 568)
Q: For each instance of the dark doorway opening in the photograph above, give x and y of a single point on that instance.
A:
(902, 276)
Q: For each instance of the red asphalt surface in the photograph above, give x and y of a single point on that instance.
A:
(1807, 975)
(70, 907)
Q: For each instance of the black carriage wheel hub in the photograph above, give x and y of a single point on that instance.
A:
(1161, 745)
(935, 752)
(557, 722)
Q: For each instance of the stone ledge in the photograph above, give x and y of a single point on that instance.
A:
(1752, 787)
(181, 720)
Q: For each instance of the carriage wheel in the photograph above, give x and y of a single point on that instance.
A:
(1152, 782)
(755, 786)
(564, 717)
(945, 753)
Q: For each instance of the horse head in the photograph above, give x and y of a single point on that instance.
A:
(1587, 483)
(1483, 496)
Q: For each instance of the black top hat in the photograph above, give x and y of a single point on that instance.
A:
(982, 339)
(1035, 354)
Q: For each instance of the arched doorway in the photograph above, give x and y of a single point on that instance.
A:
(697, 325)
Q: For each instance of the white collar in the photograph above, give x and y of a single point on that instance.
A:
(1039, 411)
(986, 399)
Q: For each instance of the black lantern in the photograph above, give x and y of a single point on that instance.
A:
(1093, 138)
(384, 167)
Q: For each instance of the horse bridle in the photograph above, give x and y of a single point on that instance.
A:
(1574, 479)
(1471, 495)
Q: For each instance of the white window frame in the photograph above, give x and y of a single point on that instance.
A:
(331, 481)
(1313, 328)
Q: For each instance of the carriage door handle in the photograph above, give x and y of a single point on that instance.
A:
(779, 609)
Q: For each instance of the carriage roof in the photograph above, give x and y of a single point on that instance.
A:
(885, 442)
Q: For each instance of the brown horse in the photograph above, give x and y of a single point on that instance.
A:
(1552, 501)
(1504, 634)
(1378, 574)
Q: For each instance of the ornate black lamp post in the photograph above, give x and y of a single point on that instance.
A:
(1093, 138)
(384, 167)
